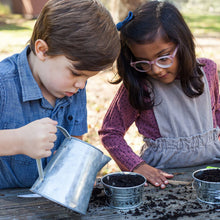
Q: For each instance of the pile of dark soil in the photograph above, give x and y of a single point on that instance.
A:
(123, 180)
(209, 175)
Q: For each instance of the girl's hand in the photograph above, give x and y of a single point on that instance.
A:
(37, 138)
(154, 176)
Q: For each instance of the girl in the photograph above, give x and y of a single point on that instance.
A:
(172, 97)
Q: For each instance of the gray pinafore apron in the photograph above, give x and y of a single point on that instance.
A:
(186, 127)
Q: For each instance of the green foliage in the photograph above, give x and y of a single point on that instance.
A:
(4, 9)
(15, 31)
(203, 24)
(198, 6)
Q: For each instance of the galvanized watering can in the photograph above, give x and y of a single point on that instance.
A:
(69, 177)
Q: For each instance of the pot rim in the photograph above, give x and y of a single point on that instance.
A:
(204, 169)
(123, 173)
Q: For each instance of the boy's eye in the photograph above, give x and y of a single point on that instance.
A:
(75, 74)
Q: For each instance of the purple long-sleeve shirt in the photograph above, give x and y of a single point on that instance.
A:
(121, 115)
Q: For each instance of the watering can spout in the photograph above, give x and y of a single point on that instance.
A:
(105, 159)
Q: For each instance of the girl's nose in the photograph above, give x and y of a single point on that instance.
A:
(156, 69)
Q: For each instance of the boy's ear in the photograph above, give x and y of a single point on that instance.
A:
(41, 49)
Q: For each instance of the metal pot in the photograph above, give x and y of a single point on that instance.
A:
(208, 192)
(124, 197)
(69, 177)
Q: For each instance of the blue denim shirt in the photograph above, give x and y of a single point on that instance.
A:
(21, 102)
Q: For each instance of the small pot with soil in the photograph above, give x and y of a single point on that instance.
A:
(124, 190)
(207, 185)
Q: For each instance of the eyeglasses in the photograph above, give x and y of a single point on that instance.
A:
(162, 62)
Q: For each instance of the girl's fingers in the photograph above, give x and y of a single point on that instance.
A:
(160, 181)
(167, 175)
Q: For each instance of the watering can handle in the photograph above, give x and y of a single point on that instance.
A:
(40, 169)
(64, 131)
(39, 163)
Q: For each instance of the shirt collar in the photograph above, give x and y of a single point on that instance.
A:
(29, 87)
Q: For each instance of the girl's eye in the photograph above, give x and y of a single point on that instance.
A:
(163, 59)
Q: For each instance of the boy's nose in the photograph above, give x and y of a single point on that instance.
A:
(80, 84)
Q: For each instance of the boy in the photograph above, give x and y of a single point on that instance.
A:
(44, 85)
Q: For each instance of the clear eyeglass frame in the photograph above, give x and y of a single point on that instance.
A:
(162, 62)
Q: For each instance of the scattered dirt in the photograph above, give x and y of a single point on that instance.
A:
(210, 175)
(175, 202)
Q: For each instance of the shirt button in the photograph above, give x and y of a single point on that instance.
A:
(70, 117)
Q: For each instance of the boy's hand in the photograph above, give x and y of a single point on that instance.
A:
(154, 176)
(38, 137)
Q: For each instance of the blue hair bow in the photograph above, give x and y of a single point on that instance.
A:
(126, 20)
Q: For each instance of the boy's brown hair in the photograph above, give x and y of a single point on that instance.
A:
(81, 30)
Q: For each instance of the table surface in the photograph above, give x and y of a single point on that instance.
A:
(177, 201)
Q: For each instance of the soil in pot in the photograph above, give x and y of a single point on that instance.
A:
(209, 175)
(119, 180)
